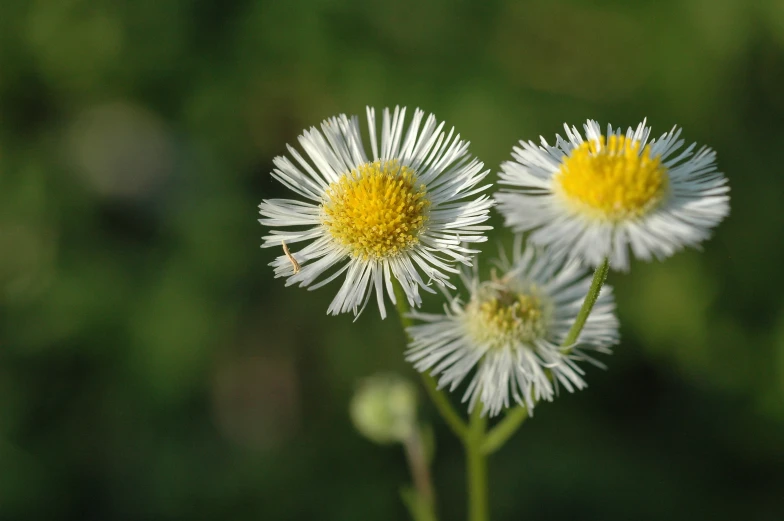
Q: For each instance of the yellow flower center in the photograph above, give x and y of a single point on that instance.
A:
(611, 180)
(501, 318)
(376, 210)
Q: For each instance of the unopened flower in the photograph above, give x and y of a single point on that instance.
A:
(598, 197)
(510, 330)
(383, 408)
(400, 213)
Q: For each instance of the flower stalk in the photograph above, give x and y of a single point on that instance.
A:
(599, 278)
(445, 409)
(476, 467)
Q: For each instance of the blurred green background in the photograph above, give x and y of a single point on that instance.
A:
(152, 368)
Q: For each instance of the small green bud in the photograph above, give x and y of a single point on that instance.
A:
(383, 408)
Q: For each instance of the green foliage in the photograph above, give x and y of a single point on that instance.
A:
(151, 367)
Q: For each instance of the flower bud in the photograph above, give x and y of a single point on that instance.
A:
(383, 408)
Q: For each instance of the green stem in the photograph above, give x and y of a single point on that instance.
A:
(423, 504)
(452, 418)
(444, 407)
(401, 304)
(599, 276)
(476, 467)
(499, 434)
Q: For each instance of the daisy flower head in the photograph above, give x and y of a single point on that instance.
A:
(402, 212)
(510, 330)
(598, 197)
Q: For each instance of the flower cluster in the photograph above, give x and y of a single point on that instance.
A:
(409, 213)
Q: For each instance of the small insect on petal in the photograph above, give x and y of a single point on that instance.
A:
(291, 258)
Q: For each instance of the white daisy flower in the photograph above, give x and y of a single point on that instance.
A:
(400, 213)
(595, 198)
(511, 330)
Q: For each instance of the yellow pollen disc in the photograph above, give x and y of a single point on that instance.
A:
(376, 210)
(504, 317)
(611, 180)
